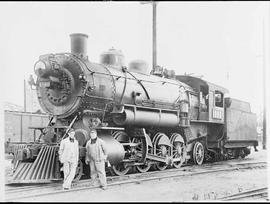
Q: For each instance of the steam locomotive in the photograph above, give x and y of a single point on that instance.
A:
(155, 119)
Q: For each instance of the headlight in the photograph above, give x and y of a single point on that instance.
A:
(39, 67)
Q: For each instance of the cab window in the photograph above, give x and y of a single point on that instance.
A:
(218, 99)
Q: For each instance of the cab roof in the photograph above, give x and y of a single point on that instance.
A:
(196, 82)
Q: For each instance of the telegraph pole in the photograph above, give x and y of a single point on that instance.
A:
(24, 96)
(264, 87)
(154, 33)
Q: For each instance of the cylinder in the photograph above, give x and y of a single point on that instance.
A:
(116, 152)
(78, 43)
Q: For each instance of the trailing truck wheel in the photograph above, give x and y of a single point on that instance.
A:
(242, 153)
(198, 153)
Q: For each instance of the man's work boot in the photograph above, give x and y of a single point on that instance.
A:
(93, 182)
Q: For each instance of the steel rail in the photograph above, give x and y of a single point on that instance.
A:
(247, 194)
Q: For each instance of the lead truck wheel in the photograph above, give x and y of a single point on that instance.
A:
(198, 153)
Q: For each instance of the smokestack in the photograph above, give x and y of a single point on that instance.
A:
(78, 42)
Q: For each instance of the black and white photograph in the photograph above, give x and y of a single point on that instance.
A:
(134, 101)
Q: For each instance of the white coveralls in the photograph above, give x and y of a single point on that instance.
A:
(96, 155)
(69, 156)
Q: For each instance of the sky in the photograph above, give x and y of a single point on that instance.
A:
(220, 40)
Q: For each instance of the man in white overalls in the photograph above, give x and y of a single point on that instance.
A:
(69, 156)
(96, 155)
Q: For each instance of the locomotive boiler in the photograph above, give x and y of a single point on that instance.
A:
(155, 119)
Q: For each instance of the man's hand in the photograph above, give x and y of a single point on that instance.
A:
(108, 163)
(87, 161)
(105, 157)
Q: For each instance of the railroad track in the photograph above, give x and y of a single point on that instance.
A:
(55, 188)
(185, 167)
(254, 193)
(21, 187)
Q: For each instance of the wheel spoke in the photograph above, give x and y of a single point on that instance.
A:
(143, 168)
(161, 166)
(178, 153)
(120, 169)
